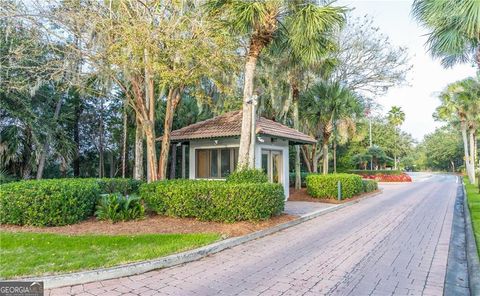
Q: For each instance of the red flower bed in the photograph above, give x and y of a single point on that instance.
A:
(389, 178)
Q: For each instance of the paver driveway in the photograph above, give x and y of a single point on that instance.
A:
(394, 243)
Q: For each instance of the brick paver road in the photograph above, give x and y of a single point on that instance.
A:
(394, 243)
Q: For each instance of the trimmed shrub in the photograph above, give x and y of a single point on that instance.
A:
(389, 178)
(325, 186)
(116, 207)
(214, 200)
(384, 175)
(369, 185)
(247, 176)
(119, 185)
(375, 172)
(52, 202)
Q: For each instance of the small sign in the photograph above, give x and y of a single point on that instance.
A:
(20, 288)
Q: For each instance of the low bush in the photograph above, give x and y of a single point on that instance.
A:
(369, 185)
(116, 207)
(119, 185)
(247, 176)
(375, 172)
(52, 202)
(214, 200)
(325, 186)
(389, 178)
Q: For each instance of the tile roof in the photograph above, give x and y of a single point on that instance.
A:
(229, 125)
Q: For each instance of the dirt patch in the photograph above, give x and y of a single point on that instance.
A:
(155, 224)
(302, 195)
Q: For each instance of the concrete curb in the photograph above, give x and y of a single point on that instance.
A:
(473, 262)
(83, 277)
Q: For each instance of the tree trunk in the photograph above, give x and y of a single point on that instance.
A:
(472, 153)
(335, 157)
(124, 138)
(144, 100)
(173, 99)
(245, 137)
(467, 156)
(325, 157)
(149, 130)
(112, 164)
(101, 164)
(138, 166)
(76, 138)
(317, 154)
(296, 125)
(173, 165)
(307, 161)
(43, 156)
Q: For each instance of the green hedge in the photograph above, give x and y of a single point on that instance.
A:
(325, 186)
(119, 185)
(369, 185)
(52, 202)
(247, 176)
(214, 200)
(375, 172)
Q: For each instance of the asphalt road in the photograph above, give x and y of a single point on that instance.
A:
(394, 243)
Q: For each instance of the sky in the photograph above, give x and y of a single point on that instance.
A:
(427, 77)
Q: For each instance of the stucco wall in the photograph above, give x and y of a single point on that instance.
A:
(279, 145)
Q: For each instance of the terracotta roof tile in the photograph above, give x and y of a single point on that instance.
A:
(229, 125)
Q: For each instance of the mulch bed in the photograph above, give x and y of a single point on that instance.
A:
(155, 224)
(302, 195)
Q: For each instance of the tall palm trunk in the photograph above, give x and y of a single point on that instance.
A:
(467, 155)
(296, 125)
(325, 157)
(327, 133)
(260, 38)
(246, 133)
(334, 156)
(138, 166)
(472, 153)
(173, 99)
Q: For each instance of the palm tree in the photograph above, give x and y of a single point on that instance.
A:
(396, 117)
(301, 22)
(460, 105)
(325, 105)
(454, 29)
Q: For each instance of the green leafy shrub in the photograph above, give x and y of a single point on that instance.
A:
(116, 207)
(247, 176)
(52, 202)
(325, 186)
(119, 185)
(214, 200)
(369, 185)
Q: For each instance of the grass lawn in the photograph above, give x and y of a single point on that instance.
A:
(23, 254)
(474, 206)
